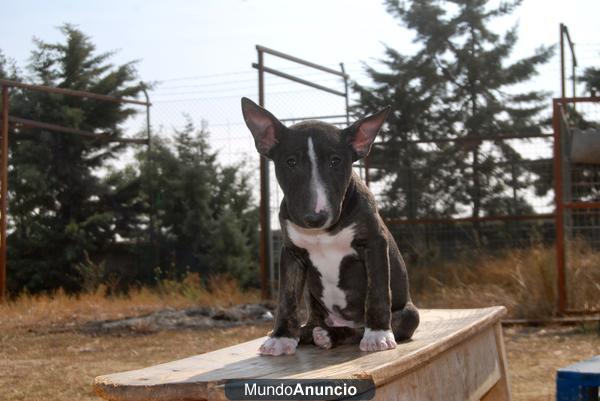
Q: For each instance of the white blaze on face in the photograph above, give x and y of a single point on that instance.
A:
(315, 180)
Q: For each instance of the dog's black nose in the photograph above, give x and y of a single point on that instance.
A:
(315, 219)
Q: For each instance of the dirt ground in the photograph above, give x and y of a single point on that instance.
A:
(55, 363)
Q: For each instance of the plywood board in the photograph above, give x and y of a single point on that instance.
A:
(201, 377)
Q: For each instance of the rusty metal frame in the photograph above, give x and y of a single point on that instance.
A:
(564, 33)
(558, 106)
(267, 274)
(457, 220)
(559, 223)
(3, 192)
(558, 118)
(18, 121)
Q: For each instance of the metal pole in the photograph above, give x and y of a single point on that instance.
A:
(4, 193)
(70, 92)
(574, 72)
(154, 238)
(346, 93)
(361, 171)
(265, 223)
(299, 80)
(559, 208)
(148, 104)
(262, 49)
(562, 62)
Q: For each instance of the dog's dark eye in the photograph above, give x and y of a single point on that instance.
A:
(335, 161)
(291, 162)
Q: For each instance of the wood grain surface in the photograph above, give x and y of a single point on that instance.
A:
(441, 334)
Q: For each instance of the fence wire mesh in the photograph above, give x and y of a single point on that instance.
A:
(522, 218)
(580, 131)
(213, 103)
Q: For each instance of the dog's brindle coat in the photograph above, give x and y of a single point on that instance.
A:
(334, 241)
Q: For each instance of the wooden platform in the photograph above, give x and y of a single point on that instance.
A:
(454, 355)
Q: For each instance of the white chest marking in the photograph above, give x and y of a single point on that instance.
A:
(326, 252)
(316, 182)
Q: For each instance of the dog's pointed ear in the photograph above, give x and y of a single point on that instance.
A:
(265, 127)
(361, 134)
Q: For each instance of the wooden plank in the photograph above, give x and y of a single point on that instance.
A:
(201, 377)
(501, 390)
(465, 372)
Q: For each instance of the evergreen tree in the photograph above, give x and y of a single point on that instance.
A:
(58, 206)
(419, 182)
(459, 84)
(591, 77)
(8, 68)
(203, 211)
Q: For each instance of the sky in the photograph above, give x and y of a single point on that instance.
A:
(199, 53)
(179, 39)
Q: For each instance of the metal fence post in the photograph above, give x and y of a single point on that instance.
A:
(264, 212)
(559, 208)
(4, 192)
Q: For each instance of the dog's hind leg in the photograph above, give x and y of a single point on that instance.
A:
(405, 322)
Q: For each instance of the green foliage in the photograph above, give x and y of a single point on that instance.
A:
(591, 77)
(459, 84)
(59, 207)
(203, 214)
(92, 274)
(66, 202)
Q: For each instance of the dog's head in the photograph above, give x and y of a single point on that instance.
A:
(313, 160)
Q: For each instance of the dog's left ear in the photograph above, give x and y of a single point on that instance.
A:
(361, 134)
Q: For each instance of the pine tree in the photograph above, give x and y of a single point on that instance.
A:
(459, 84)
(59, 207)
(591, 77)
(204, 211)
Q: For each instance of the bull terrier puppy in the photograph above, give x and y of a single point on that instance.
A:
(335, 243)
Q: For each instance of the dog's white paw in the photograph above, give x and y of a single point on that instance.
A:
(321, 338)
(377, 340)
(278, 346)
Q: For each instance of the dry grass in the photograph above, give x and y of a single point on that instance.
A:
(583, 277)
(57, 366)
(534, 354)
(523, 280)
(45, 357)
(60, 366)
(62, 310)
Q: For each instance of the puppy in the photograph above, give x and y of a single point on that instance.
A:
(335, 244)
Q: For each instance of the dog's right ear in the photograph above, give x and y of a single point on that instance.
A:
(265, 127)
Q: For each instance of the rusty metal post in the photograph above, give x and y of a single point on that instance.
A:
(345, 77)
(264, 212)
(4, 192)
(559, 208)
(562, 62)
(267, 271)
(154, 233)
(574, 72)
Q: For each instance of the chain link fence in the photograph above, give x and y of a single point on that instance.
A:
(526, 215)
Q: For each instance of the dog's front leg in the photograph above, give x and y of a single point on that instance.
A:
(378, 335)
(286, 332)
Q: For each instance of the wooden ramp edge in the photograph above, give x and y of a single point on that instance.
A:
(202, 377)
